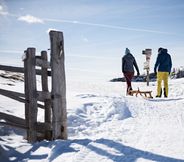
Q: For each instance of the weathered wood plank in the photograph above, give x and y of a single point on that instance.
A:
(17, 96)
(12, 68)
(14, 125)
(41, 106)
(20, 69)
(30, 90)
(13, 95)
(42, 96)
(47, 102)
(12, 119)
(42, 63)
(42, 127)
(58, 85)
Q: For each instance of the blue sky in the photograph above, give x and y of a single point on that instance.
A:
(96, 32)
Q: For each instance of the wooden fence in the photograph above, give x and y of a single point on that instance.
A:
(53, 103)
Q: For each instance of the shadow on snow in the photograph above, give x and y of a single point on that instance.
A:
(59, 147)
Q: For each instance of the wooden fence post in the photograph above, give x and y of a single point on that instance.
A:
(30, 94)
(59, 119)
(47, 102)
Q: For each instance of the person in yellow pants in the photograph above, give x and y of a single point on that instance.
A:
(162, 76)
(162, 70)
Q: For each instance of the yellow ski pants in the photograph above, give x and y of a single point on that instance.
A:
(162, 76)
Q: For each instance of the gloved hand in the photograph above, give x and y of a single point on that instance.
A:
(138, 73)
(155, 73)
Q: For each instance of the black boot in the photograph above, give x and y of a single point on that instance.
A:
(165, 95)
(129, 91)
(160, 93)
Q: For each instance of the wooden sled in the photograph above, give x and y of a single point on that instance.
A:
(147, 94)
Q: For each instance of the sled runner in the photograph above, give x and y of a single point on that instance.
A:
(146, 94)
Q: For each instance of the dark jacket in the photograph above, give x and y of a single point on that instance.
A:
(163, 62)
(128, 63)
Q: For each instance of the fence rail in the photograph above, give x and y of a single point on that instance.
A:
(21, 69)
(14, 95)
(13, 120)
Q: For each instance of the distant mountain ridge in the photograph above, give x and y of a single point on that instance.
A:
(142, 78)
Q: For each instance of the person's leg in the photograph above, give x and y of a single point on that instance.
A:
(166, 89)
(159, 81)
(128, 77)
(131, 75)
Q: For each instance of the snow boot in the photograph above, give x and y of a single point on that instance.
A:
(165, 95)
(158, 96)
(129, 91)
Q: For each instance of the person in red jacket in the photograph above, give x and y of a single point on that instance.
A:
(128, 64)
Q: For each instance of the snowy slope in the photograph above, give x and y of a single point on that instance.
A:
(104, 125)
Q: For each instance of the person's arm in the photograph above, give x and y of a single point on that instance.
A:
(170, 64)
(156, 64)
(136, 67)
(123, 61)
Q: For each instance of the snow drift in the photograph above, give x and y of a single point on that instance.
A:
(103, 125)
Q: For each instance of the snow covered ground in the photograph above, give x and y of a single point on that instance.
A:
(104, 125)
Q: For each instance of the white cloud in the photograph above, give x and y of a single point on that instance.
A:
(30, 19)
(85, 39)
(106, 26)
(2, 11)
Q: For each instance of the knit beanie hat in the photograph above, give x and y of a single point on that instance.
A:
(127, 51)
(159, 50)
